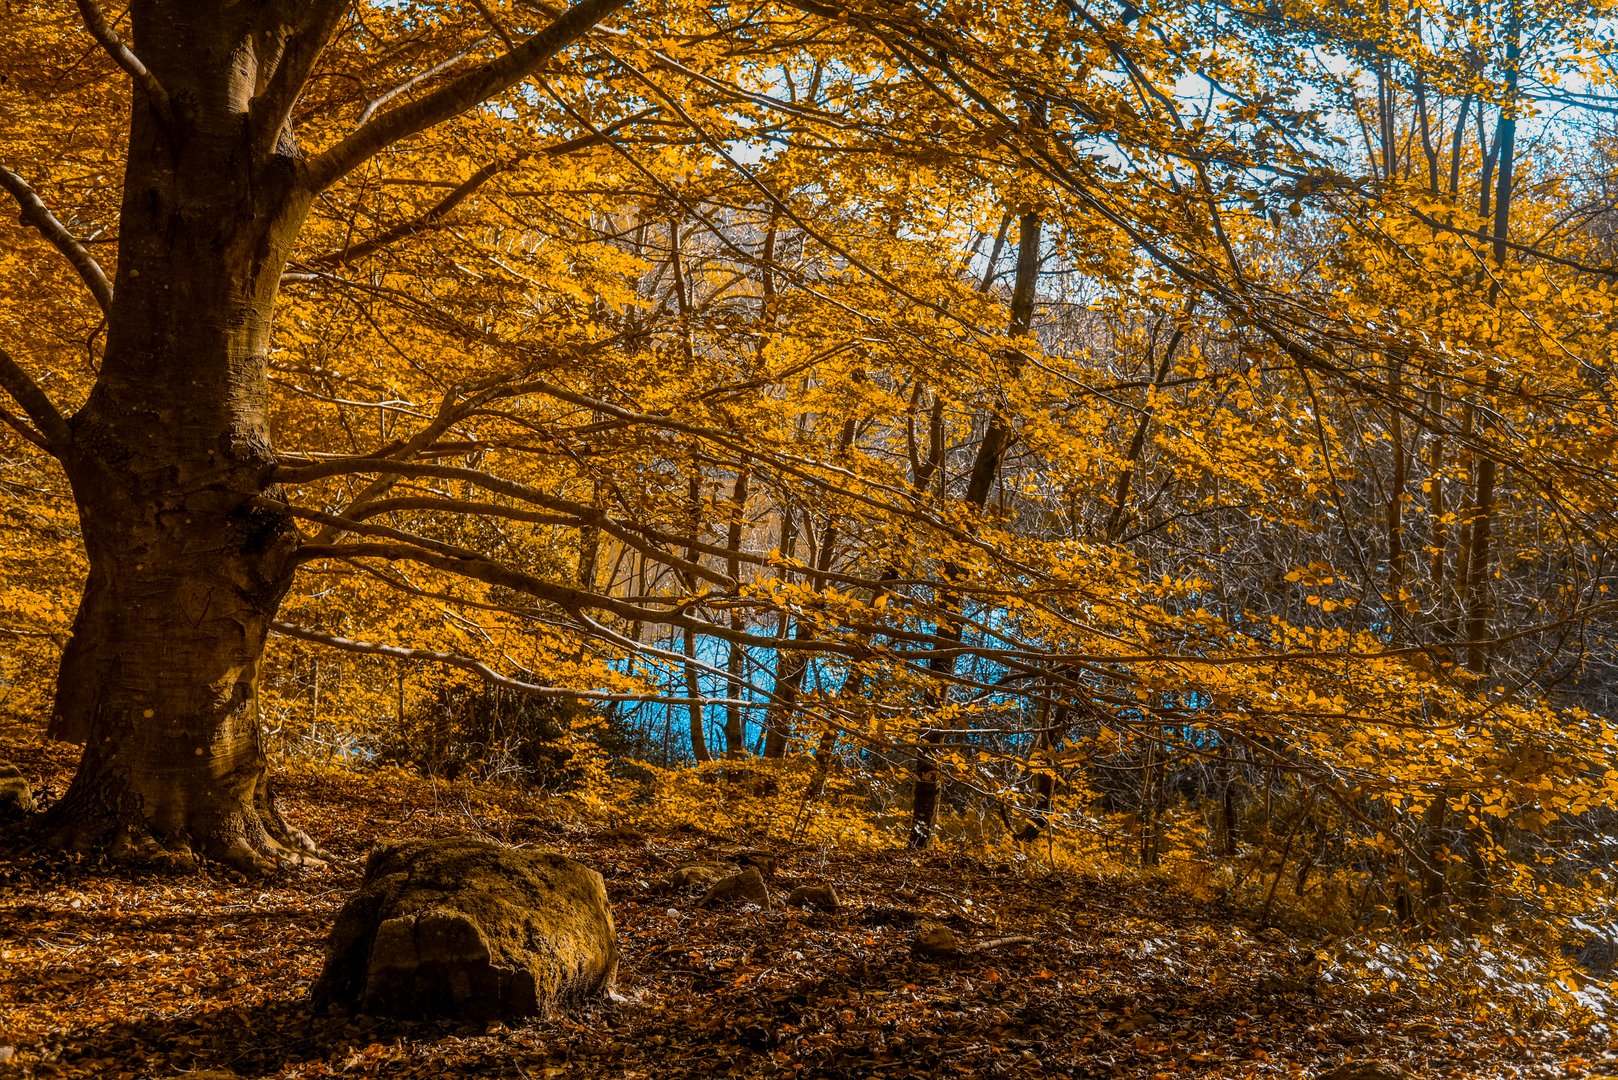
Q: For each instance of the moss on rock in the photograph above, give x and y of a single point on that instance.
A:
(469, 929)
(16, 797)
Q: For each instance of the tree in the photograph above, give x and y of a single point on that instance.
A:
(170, 459)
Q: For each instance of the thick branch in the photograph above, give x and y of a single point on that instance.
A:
(36, 213)
(460, 94)
(36, 403)
(640, 538)
(582, 514)
(480, 669)
(433, 216)
(299, 49)
(25, 429)
(124, 57)
(575, 602)
(417, 79)
(354, 525)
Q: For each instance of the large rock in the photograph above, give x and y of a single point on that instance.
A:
(468, 929)
(16, 798)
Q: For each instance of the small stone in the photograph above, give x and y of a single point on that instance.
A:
(744, 887)
(704, 874)
(819, 897)
(938, 943)
(745, 857)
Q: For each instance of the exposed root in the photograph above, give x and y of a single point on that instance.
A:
(125, 844)
(253, 841)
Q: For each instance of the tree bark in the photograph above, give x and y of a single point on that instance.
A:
(169, 462)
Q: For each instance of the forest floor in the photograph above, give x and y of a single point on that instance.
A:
(109, 973)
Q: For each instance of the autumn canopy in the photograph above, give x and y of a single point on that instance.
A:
(1088, 416)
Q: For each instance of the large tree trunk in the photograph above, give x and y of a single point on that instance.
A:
(189, 556)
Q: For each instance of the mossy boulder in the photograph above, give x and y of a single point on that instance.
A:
(471, 930)
(16, 797)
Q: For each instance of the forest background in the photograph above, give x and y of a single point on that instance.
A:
(1182, 432)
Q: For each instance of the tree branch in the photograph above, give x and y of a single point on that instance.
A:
(416, 80)
(272, 106)
(25, 429)
(36, 213)
(37, 404)
(124, 57)
(459, 94)
(439, 210)
(484, 672)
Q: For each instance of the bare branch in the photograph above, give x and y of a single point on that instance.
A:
(495, 24)
(486, 673)
(639, 537)
(37, 214)
(25, 429)
(416, 80)
(37, 404)
(439, 210)
(459, 94)
(580, 513)
(433, 216)
(124, 57)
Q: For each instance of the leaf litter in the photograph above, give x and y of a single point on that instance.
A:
(114, 973)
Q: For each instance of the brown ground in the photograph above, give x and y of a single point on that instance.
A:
(107, 973)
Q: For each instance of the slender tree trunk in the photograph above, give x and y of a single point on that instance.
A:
(693, 691)
(980, 481)
(1054, 722)
(778, 718)
(1438, 545)
(736, 655)
(1149, 798)
(1478, 594)
(189, 555)
(693, 677)
(1229, 814)
(1117, 516)
(1397, 557)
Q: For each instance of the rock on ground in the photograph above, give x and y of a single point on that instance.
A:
(694, 874)
(469, 929)
(823, 897)
(744, 887)
(16, 797)
(938, 943)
